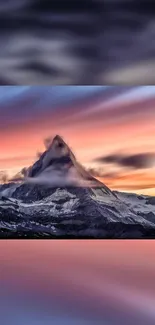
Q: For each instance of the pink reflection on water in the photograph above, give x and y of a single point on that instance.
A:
(96, 277)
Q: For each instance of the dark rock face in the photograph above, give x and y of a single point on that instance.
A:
(151, 200)
(70, 213)
(6, 186)
(38, 211)
(37, 166)
(31, 193)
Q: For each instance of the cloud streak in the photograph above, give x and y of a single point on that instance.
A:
(136, 161)
(52, 177)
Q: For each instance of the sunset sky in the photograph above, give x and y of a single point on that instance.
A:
(110, 129)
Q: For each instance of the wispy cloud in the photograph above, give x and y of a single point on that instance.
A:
(53, 177)
(136, 161)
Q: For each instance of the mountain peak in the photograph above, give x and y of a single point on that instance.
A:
(58, 138)
(58, 142)
(59, 158)
(57, 152)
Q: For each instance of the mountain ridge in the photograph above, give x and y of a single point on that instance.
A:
(60, 199)
(60, 157)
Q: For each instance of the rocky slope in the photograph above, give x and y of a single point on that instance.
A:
(59, 199)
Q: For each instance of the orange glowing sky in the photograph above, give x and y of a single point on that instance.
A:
(94, 121)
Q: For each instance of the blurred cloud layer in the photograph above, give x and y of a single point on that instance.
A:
(128, 51)
(77, 282)
(77, 42)
(48, 42)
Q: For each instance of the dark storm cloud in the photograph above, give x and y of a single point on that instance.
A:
(137, 161)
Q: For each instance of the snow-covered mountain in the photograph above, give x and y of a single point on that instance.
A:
(60, 199)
